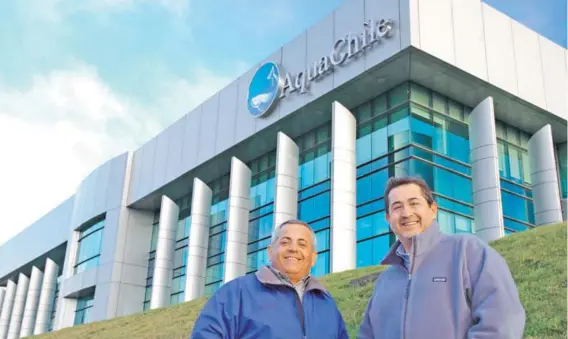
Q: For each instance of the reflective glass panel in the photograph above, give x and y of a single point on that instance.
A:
(371, 252)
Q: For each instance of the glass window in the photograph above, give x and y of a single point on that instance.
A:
(371, 207)
(453, 205)
(439, 103)
(322, 239)
(314, 208)
(446, 222)
(516, 207)
(501, 150)
(463, 224)
(154, 241)
(443, 181)
(514, 226)
(396, 116)
(371, 186)
(398, 129)
(217, 231)
(562, 169)
(322, 265)
(176, 298)
(455, 110)
(379, 138)
(309, 140)
(214, 273)
(183, 228)
(454, 223)
(526, 167)
(83, 311)
(398, 95)
(322, 134)
(262, 180)
(314, 166)
(422, 132)
(524, 140)
(372, 251)
(379, 105)
(256, 260)
(457, 141)
(419, 111)
(500, 130)
(53, 310)
(513, 135)
(363, 143)
(89, 247)
(466, 113)
(441, 138)
(420, 94)
(260, 228)
(515, 165)
(363, 112)
(322, 168)
(372, 225)
(212, 288)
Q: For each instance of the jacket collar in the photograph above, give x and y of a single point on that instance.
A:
(267, 277)
(421, 244)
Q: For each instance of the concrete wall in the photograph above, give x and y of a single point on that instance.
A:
(482, 41)
(45, 234)
(119, 281)
(223, 120)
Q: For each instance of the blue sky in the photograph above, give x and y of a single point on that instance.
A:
(82, 81)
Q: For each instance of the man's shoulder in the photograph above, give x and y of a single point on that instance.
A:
(472, 246)
(237, 284)
(467, 240)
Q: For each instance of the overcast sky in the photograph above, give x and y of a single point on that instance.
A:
(83, 81)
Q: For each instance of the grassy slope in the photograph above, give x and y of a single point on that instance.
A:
(537, 259)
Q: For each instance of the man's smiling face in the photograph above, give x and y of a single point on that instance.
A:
(409, 212)
(293, 253)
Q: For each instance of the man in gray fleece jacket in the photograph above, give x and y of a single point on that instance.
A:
(438, 286)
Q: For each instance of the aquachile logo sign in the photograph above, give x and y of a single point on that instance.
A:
(270, 83)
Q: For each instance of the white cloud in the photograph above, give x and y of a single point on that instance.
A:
(67, 123)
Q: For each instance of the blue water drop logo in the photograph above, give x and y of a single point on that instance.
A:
(264, 89)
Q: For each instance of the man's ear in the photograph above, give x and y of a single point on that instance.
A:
(314, 258)
(434, 208)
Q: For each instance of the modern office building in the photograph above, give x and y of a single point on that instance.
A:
(450, 90)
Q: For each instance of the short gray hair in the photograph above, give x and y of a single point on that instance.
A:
(277, 229)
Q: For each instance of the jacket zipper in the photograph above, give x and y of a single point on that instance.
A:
(300, 313)
(407, 292)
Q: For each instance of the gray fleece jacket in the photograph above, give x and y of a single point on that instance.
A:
(457, 287)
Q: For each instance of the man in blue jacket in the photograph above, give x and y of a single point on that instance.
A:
(438, 285)
(281, 300)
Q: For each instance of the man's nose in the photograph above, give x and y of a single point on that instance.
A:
(405, 211)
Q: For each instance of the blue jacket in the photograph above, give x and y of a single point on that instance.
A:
(457, 287)
(262, 306)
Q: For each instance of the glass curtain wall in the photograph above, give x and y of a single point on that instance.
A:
(84, 310)
(180, 255)
(410, 130)
(89, 246)
(314, 184)
(54, 305)
(261, 217)
(151, 260)
(562, 170)
(514, 170)
(217, 235)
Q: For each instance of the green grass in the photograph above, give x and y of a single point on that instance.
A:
(537, 259)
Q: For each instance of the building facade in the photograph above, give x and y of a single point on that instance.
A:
(452, 91)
